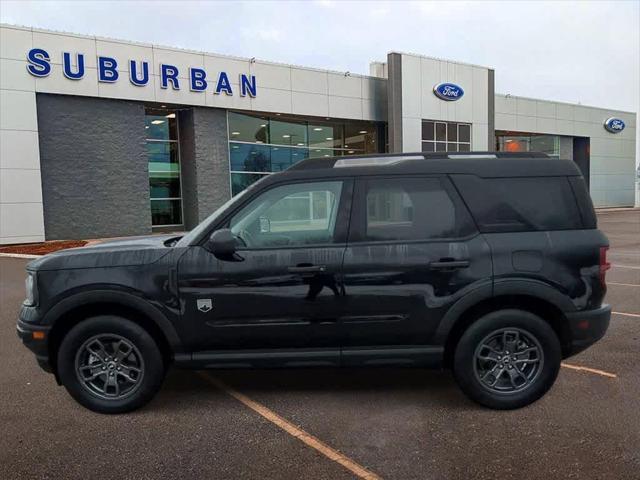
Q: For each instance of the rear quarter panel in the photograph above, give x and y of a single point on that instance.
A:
(561, 264)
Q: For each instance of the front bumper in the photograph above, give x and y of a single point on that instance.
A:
(39, 346)
(587, 327)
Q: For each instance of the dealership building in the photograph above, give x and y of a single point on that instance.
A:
(105, 138)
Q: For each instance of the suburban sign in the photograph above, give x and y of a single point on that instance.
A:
(448, 91)
(73, 68)
(614, 125)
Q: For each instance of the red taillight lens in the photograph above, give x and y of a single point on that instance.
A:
(604, 265)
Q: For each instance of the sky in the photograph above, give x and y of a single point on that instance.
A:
(584, 52)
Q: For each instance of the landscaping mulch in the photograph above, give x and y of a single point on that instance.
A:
(42, 248)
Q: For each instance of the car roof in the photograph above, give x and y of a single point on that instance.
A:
(482, 164)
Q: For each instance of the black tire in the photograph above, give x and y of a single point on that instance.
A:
(474, 371)
(134, 389)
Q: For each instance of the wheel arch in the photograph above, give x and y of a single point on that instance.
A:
(69, 312)
(459, 319)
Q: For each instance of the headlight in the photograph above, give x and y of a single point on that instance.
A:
(31, 286)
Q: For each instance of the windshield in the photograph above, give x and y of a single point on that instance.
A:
(191, 236)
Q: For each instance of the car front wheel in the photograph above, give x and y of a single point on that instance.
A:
(110, 364)
(507, 359)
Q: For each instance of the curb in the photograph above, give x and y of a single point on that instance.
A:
(18, 255)
(616, 209)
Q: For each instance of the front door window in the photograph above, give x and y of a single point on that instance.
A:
(289, 215)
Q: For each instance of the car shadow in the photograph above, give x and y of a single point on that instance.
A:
(434, 387)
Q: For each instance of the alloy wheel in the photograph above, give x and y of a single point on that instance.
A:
(508, 361)
(109, 366)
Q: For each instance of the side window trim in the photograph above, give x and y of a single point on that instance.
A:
(342, 218)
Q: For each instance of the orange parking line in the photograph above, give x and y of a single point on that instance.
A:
(590, 370)
(291, 429)
(627, 314)
(632, 267)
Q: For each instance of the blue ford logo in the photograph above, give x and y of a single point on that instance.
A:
(448, 91)
(614, 125)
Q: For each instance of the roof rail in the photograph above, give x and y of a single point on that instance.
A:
(388, 159)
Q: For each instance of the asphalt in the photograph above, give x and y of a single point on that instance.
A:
(399, 424)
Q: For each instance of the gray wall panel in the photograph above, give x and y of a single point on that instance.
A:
(188, 168)
(205, 162)
(95, 179)
(394, 99)
(491, 109)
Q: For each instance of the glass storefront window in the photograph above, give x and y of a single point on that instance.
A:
(324, 152)
(245, 128)
(283, 157)
(360, 138)
(288, 133)
(529, 142)
(271, 143)
(166, 212)
(159, 125)
(240, 181)
(250, 157)
(163, 156)
(326, 135)
(165, 184)
(445, 136)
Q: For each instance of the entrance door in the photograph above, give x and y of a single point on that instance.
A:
(283, 290)
(413, 251)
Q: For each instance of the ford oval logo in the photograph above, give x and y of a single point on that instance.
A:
(614, 125)
(448, 91)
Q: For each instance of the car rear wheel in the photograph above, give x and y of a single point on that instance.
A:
(110, 364)
(507, 359)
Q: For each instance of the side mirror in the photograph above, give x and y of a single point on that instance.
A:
(222, 243)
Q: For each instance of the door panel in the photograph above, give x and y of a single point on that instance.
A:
(283, 287)
(413, 251)
(257, 302)
(395, 295)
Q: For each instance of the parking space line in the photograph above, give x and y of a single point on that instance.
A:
(624, 284)
(632, 267)
(627, 314)
(291, 429)
(590, 370)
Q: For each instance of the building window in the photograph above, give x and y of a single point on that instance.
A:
(163, 154)
(553, 145)
(263, 144)
(445, 136)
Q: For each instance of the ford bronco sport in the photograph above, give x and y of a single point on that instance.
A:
(490, 264)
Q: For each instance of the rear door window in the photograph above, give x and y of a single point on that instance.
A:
(410, 209)
(520, 204)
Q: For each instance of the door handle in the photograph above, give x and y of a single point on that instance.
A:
(307, 269)
(448, 264)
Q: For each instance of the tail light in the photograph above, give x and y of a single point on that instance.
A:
(604, 265)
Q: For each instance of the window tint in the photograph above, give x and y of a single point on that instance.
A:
(412, 209)
(290, 215)
(520, 204)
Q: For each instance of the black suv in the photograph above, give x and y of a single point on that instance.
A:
(488, 263)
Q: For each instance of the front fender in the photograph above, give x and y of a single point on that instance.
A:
(115, 297)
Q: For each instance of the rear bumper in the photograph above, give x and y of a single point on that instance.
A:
(38, 346)
(587, 327)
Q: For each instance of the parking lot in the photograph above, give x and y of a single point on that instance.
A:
(333, 424)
